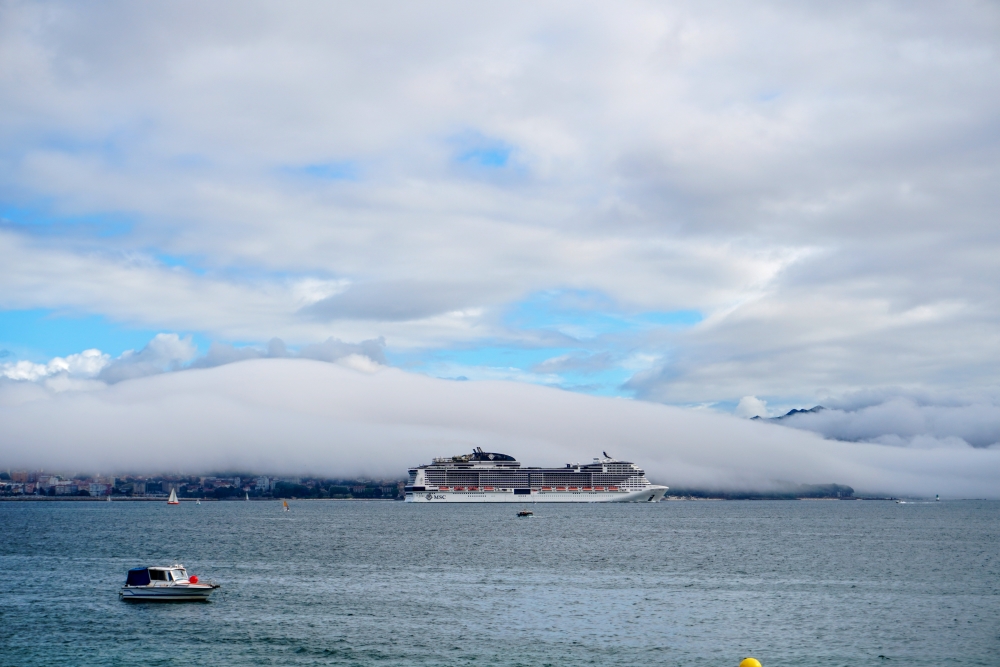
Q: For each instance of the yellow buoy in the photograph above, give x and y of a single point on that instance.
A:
(750, 662)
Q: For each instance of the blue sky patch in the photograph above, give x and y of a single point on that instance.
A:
(593, 355)
(585, 314)
(330, 171)
(523, 364)
(495, 156)
(39, 334)
(41, 221)
(477, 150)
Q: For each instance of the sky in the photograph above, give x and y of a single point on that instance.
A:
(729, 209)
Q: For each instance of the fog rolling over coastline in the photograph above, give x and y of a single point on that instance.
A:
(304, 416)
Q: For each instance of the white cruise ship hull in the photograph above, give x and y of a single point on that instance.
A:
(646, 494)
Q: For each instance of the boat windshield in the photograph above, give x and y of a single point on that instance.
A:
(179, 574)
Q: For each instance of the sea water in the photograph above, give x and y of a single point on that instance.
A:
(390, 583)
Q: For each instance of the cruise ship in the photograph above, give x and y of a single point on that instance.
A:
(486, 477)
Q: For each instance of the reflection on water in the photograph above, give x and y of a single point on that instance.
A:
(361, 583)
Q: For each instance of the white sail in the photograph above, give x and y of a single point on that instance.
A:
(173, 498)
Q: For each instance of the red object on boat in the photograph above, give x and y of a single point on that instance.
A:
(193, 578)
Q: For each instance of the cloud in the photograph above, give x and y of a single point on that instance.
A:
(88, 363)
(166, 352)
(577, 362)
(392, 301)
(334, 350)
(303, 416)
(222, 353)
(902, 421)
(172, 353)
(751, 406)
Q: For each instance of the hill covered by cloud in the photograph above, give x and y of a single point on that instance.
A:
(307, 416)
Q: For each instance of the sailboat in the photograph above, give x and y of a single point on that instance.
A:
(109, 497)
(248, 496)
(172, 500)
(198, 501)
(285, 503)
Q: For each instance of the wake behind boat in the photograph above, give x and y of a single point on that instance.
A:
(164, 584)
(487, 477)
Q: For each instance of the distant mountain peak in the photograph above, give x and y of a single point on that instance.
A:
(794, 411)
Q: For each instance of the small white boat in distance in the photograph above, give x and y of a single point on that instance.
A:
(172, 500)
(164, 584)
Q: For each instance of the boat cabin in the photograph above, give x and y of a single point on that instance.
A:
(162, 576)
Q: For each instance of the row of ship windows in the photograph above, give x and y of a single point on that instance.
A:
(525, 475)
(543, 489)
(547, 480)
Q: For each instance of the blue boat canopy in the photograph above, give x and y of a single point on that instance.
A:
(138, 576)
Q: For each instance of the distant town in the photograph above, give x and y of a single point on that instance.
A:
(23, 484)
(39, 484)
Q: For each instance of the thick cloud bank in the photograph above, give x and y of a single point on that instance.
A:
(304, 416)
(905, 421)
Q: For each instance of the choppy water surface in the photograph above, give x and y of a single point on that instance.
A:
(363, 583)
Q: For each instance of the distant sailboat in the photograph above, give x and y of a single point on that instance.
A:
(285, 503)
(172, 500)
(248, 496)
(198, 501)
(109, 497)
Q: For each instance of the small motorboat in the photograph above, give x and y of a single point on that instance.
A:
(525, 513)
(164, 584)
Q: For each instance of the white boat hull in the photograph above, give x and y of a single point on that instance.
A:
(182, 593)
(644, 495)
